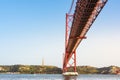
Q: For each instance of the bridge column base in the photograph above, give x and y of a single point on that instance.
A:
(70, 74)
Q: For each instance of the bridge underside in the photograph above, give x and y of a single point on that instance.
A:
(85, 14)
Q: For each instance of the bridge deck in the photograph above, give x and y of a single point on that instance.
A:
(85, 13)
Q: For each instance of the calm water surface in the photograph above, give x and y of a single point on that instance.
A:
(56, 77)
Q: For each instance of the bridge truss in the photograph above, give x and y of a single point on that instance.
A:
(77, 25)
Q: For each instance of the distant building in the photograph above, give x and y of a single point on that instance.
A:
(2, 69)
(43, 62)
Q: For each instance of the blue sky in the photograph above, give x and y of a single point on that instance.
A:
(34, 29)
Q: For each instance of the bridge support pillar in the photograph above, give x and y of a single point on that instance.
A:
(69, 58)
(75, 61)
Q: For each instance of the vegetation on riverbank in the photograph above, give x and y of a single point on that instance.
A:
(95, 70)
(37, 69)
(30, 69)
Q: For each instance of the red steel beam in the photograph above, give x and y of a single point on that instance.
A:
(85, 14)
(89, 10)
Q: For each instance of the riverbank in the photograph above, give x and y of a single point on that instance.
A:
(38, 69)
(30, 69)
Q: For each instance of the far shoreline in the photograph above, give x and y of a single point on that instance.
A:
(46, 69)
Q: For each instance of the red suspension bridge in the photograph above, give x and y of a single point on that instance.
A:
(77, 25)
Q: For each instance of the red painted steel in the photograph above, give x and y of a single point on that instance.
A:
(69, 19)
(85, 14)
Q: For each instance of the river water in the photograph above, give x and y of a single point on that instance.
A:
(57, 77)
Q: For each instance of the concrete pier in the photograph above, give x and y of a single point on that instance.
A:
(70, 74)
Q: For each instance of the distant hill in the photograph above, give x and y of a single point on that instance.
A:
(30, 69)
(109, 70)
(37, 69)
(95, 70)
